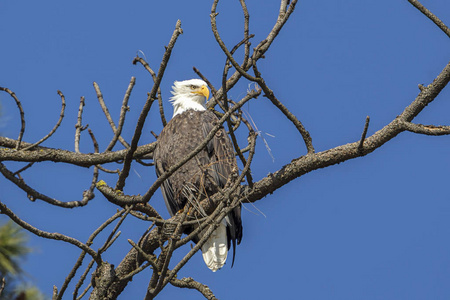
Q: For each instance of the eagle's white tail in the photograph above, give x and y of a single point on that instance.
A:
(215, 249)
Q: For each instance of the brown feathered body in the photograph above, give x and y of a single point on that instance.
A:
(203, 175)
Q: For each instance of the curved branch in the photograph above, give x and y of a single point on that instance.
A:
(308, 163)
(52, 236)
(263, 46)
(430, 16)
(22, 114)
(291, 117)
(33, 194)
(61, 116)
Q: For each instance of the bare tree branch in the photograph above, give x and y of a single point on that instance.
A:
(157, 245)
(123, 111)
(363, 136)
(430, 16)
(78, 126)
(22, 114)
(105, 110)
(33, 194)
(53, 236)
(192, 284)
(61, 116)
(153, 74)
(151, 97)
(64, 156)
(426, 129)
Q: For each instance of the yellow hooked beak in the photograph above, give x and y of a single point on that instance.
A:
(203, 90)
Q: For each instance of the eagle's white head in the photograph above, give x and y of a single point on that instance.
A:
(189, 94)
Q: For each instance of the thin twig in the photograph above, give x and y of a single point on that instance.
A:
(212, 88)
(23, 169)
(129, 155)
(364, 133)
(430, 16)
(71, 275)
(123, 112)
(262, 47)
(89, 194)
(153, 74)
(246, 32)
(135, 271)
(169, 250)
(116, 171)
(101, 101)
(78, 126)
(425, 129)
(149, 258)
(81, 280)
(224, 91)
(116, 228)
(239, 68)
(271, 96)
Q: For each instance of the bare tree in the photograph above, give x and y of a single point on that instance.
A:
(108, 281)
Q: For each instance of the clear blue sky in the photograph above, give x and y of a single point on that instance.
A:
(376, 227)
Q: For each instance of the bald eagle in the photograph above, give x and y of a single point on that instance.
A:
(204, 174)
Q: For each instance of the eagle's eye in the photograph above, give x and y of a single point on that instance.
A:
(193, 87)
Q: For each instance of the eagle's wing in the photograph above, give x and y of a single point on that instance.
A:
(167, 190)
(220, 151)
(223, 161)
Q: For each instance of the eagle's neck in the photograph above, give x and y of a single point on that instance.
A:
(182, 105)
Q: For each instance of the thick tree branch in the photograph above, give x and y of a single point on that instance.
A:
(40, 154)
(308, 163)
(190, 283)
